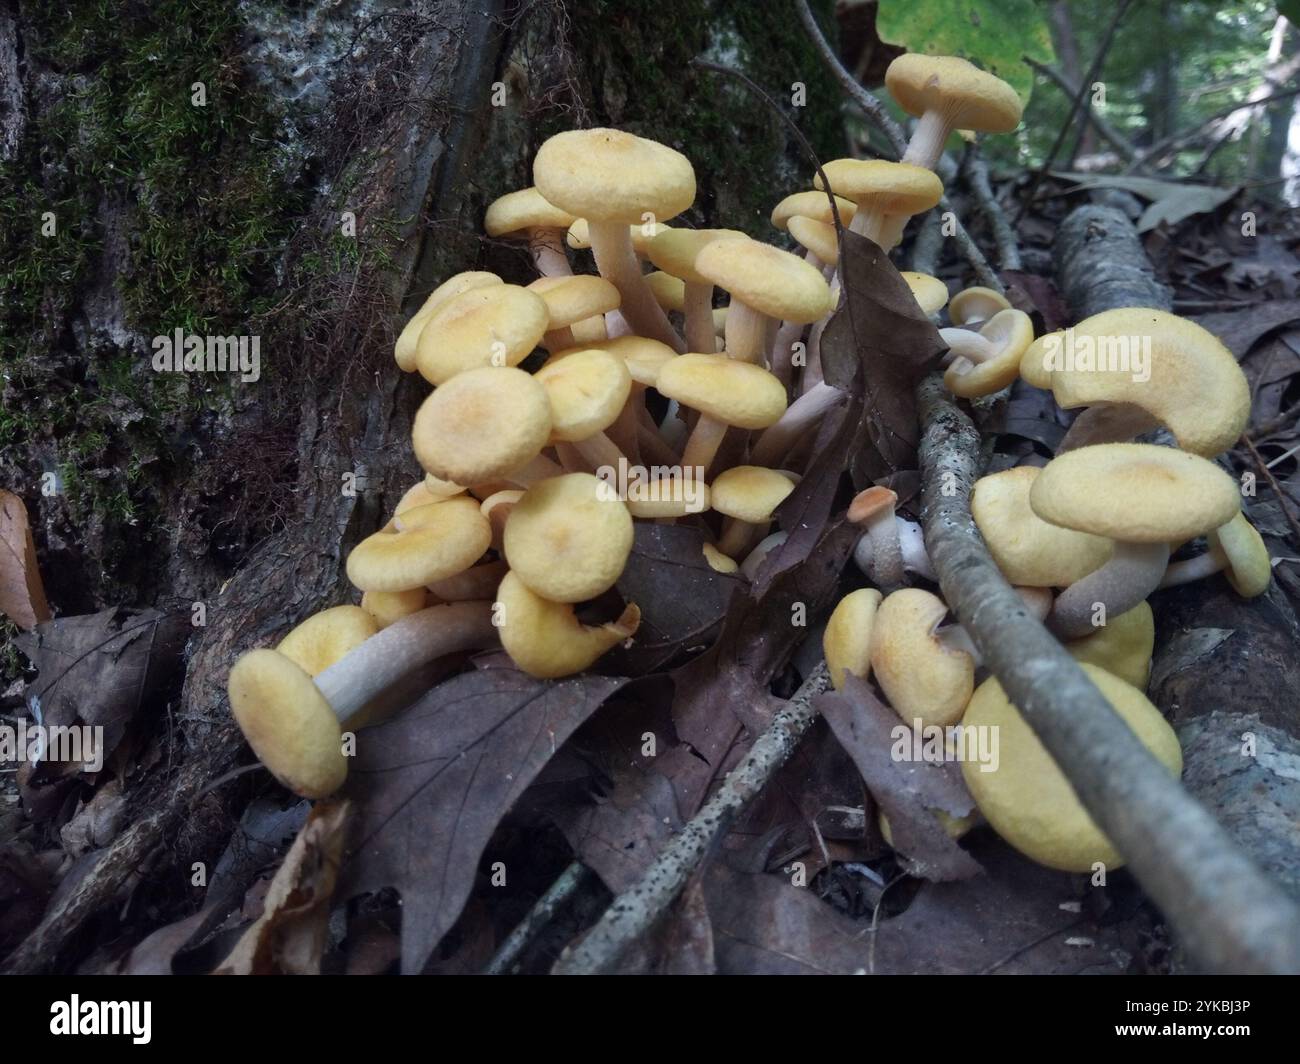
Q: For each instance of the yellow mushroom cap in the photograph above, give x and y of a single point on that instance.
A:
(674, 250)
(494, 326)
(887, 187)
(1195, 387)
(669, 291)
(437, 541)
(644, 357)
(613, 176)
(408, 341)
(1036, 361)
(750, 493)
(518, 212)
(573, 298)
(1011, 332)
(590, 331)
(642, 233)
(323, 638)
(389, 606)
(481, 425)
(814, 205)
(772, 281)
(976, 304)
(718, 562)
(818, 237)
(929, 292)
(735, 393)
(1246, 562)
(586, 390)
(922, 678)
(288, 723)
(847, 639)
(1134, 492)
(1122, 646)
(545, 639)
(1027, 549)
(569, 538)
(667, 497)
(966, 96)
(1028, 800)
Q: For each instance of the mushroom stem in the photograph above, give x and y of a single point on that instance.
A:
(599, 450)
(746, 333)
(1107, 423)
(547, 248)
(736, 536)
(655, 448)
(1133, 572)
(911, 539)
(703, 444)
(699, 318)
(559, 339)
(966, 348)
(775, 442)
(873, 509)
(928, 138)
(417, 639)
(1198, 568)
(611, 244)
(755, 558)
(870, 222)
(781, 356)
(539, 468)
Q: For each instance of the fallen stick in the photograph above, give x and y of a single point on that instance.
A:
(541, 914)
(635, 911)
(1004, 236)
(1230, 917)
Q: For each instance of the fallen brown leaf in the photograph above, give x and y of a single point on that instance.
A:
(22, 595)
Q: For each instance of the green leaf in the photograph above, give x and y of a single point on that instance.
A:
(1171, 202)
(993, 34)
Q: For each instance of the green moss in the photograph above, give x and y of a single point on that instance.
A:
(203, 209)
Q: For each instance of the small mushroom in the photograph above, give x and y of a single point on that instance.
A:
(1141, 496)
(930, 293)
(847, 639)
(526, 215)
(748, 495)
(989, 360)
(1237, 550)
(887, 195)
(389, 606)
(294, 722)
(947, 93)
(923, 678)
(324, 637)
(498, 325)
(905, 541)
(726, 393)
(587, 391)
(406, 349)
(1029, 801)
(570, 300)
(545, 638)
(972, 307)
(435, 542)
(815, 205)
(568, 538)
(1123, 645)
(674, 251)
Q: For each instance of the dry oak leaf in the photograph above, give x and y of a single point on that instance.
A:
(22, 595)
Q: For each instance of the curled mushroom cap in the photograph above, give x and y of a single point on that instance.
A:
(586, 390)
(323, 638)
(675, 250)
(750, 493)
(575, 298)
(545, 639)
(430, 489)
(929, 292)
(813, 205)
(1170, 367)
(482, 424)
(288, 722)
(494, 326)
(771, 281)
(847, 639)
(1122, 646)
(1027, 549)
(1035, 363)
(971, 306)
(568, 538)
(1002, 341)
(1246, 563)
(407, 346)
(388, 607)
(922, 678)
(818, 237)
(736, 393)
(1134, 493)
(517, 213)
(947, 93)
(1029, 801)
(613, 176)
(437, 541)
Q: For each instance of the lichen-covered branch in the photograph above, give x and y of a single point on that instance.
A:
(635, 911)
(976, 168)
(1228, 914)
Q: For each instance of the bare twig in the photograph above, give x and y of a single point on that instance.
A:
(635, 911)
(977, 176)
(1276, 488)
(876, 111)
(542, 913)
(1229, 915)
(1108, 133)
